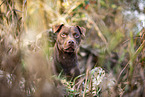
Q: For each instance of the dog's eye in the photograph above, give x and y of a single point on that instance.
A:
(76, 35)
(63, 35)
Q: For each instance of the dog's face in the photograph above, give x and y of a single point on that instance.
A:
(68, 37)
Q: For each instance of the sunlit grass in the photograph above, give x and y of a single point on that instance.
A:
(26, 54)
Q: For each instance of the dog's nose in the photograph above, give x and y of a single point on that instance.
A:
(71, 42)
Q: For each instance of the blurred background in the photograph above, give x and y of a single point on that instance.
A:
(114, 43)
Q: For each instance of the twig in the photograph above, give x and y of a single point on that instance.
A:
(98, 30)
(87, 73)
(2, 2)
(141, 46)
(135, 37)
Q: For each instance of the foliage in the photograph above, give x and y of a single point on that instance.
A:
(113, 41)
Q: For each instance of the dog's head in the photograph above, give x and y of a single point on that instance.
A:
(68, 37)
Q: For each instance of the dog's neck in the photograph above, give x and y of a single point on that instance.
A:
(65, 59)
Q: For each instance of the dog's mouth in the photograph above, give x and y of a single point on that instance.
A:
(69, 49)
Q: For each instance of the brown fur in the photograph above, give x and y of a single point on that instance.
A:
(67, 43)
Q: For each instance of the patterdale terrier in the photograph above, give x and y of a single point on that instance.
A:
(65, 49)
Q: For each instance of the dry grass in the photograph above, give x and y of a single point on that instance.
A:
(111, 42)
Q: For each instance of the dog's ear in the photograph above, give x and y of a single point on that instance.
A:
(82, 30)
(57, 28)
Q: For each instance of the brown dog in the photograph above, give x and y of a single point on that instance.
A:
(67, 43)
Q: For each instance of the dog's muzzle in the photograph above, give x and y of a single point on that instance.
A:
(70, 46)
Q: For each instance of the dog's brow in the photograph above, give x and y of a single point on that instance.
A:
(73, 29)
(65, 30)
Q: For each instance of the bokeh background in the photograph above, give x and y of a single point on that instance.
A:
(114, 47)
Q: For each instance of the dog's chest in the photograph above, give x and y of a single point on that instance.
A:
(67, 61)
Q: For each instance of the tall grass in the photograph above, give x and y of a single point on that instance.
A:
(26, 41)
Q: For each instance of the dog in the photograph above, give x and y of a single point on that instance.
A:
(65, 50)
